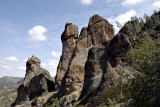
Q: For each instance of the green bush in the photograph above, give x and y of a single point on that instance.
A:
(53, 101)
(145, 58)
(74, 96)
(34, 102)
(43, 82)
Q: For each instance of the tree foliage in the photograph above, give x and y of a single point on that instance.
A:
(145, 58)
(144, 89)
(152, 21)
(43, 82)
(132, 28)
(146, 54)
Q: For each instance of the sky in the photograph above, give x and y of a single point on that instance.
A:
(34, 27)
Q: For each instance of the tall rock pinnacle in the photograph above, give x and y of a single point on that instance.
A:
(69, 37)
(98, 31)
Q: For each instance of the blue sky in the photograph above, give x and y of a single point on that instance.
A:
(34, 27)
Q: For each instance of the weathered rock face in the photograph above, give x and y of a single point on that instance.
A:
(34, 81)
(100, 30)
(84, 41)
(93, 70)
(71, 31)
(100, 73)
(117, 48)
(68, 38)
(119, 45)
(73, 80)
(88, 65)
(110, 77)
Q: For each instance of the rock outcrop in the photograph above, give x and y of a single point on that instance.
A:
(74, 78)
(89, 65)
(100, 30)
(119, 45)
(68, 38)
(92, 61)
(101, 68)
(93, 71)
(37, 81)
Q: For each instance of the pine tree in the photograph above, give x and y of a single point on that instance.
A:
(43, 82)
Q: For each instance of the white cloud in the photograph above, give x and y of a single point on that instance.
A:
(56, 54)
(25, 60)
(37, 33)
(52, 63)
(12, 58)
(20, 68)
(122, 18)
(44, 65)
(86, 2)
(156, 4)
(11, 66)
(51, 66)
(131, 2)
(5, 67)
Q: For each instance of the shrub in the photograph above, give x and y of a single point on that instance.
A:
(34, 102)
(53, 101)
(145, 58)
(43, 82)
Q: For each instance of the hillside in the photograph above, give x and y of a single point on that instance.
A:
(145, 59)
(10, 82)
(8, 90)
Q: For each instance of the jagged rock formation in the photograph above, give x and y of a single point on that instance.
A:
(100, 30)
(100, 73)
(94, 69)
(91, 66)
(97, 32)
(88, 65)
(32, 84)
(74, 77)
(68, 39)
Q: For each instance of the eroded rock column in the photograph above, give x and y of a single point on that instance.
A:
(68, 38)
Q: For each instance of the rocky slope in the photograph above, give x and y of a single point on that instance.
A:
(8, 88)
(10, 82)
(90, 64)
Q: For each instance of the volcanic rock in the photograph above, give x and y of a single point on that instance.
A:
(69, 37)
(119, 45)
(74, 78)
(100, 30)
(32, 84)
(93, 70)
